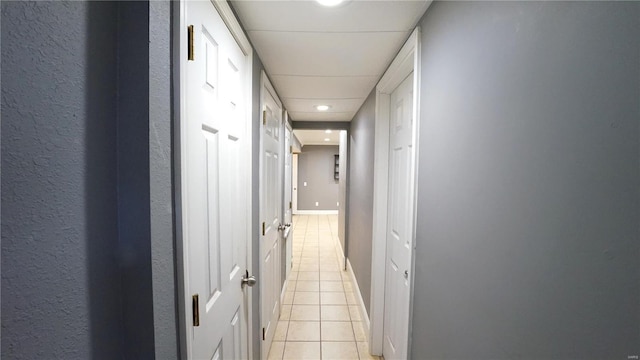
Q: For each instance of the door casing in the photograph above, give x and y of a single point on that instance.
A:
(407, 60)
(179, 36)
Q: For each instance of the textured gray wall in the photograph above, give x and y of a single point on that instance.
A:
(60, 278)
(360, 223)
(87, 198)
(165, 318)
(315, 166)
(342, 191)
(255, 201)
(133, 179)
(529, 197)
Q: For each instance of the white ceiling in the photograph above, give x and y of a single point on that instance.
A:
(317, 55)
(317, 137)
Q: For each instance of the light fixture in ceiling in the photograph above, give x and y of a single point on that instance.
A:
(322, 107)
(327, 131)
(327, 139)
(329, 2)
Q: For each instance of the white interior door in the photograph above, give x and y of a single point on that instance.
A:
(270, 213)
(399, 242)
(214, 172)
(288, 204)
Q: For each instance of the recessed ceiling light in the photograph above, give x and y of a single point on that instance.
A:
(322, 107)
(327, 139)
(329, 2)
(327, 131)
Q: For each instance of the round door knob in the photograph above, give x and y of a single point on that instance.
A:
(250, 281)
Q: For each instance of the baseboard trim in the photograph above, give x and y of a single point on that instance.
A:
(363, 310)
(315, 212)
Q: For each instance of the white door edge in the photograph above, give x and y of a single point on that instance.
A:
(407, 60)
(179, 77)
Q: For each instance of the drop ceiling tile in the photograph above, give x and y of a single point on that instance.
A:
(309, 87)
(336, 105)
(321, 116)
(353, 16)
(316, 137)
(327, 54)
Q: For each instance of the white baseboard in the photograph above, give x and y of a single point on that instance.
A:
(315, 212)
(363, 310)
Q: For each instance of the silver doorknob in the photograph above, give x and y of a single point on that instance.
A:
(249, 280)
(282, 227)
(287, 225)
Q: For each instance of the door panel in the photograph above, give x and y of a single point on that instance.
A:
(398, 253)
(214, 171)
(271, 208)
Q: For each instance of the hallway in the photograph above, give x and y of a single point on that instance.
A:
(320, 317)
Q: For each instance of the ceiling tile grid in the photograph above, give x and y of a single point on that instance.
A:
(317, 55)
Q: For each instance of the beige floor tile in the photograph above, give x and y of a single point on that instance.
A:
(309, 261)
(293, 276)
(363, 351)
(339, 351)
(277, 350)
(348, 285)
(309, 267)
(308, 286)
(305, 312)
(303, 331)
(354, 312)
(337, 331)
(302, 351)
(306, 298)
(285, 312)
(330, 276)
(334, 313)
(351, 298)
(331, 267)
(331, 286)
(281, 331)
(358, 331)
(332, 298)
(291, 286)
(309, 275)
(288, 298)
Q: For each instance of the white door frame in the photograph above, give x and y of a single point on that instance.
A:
(407, 60)
(180, 34)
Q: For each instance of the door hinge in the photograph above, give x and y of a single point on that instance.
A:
(289, 204)
(195, 303)
(190, 40)
(291, 149)
(263, 228)
(264, 117)
(264, 334)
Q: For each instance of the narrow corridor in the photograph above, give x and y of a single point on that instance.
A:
(320, 317)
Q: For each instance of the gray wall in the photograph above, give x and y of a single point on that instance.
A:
(60, 278)
(256, 128)
(165, 318)
(342, 191)
(360, 209)
(529, 204)
(87, 227)
(315, 166)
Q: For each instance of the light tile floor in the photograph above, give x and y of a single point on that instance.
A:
(320, 317)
